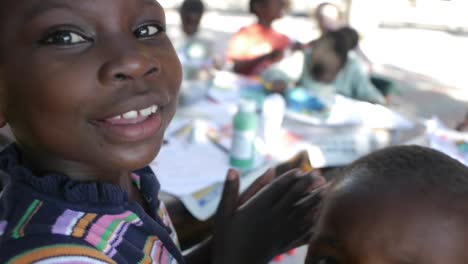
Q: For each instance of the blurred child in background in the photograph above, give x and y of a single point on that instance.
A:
(255, 47)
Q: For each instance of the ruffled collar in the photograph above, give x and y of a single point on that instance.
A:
(60, 186)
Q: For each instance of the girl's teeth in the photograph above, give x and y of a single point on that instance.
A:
(146, 112)
(130, 115)
(134, 114)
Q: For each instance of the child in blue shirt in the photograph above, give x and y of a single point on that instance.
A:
(88, 88)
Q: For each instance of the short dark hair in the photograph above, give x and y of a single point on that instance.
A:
(420, 170)
(192, 6)
(252, 4)
(344, 40)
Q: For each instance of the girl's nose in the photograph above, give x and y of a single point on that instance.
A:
(129, 65)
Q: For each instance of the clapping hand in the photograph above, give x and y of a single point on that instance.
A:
(272, 217)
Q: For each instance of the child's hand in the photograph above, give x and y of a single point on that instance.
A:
(272, 221)
(255, 187)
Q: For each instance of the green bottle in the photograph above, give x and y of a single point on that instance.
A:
(242, 155)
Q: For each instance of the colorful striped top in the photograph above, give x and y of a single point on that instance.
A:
(52, 219)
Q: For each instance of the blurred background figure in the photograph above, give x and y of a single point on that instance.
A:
(331, 63)
(328, 17)
(194, 47)
(196, 51)
(330, 66)
(255, 47)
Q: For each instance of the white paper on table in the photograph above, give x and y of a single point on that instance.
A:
(176, 124)
(219, 114)
(203, 203)
(224, 95)
(183, 168)
(228, 80)
(347, 111)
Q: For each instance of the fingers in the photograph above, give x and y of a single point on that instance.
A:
(303, 219)
(273, 192)
(319, 181)
(261, 182)
(294, 193)
(228, 204)
(306, 210)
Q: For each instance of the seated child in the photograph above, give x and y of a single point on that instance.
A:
(330, 66)
(406, 204)
(88, 88)
(193, 46)
(253, 48)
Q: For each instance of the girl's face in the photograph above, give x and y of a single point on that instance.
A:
(87, 86)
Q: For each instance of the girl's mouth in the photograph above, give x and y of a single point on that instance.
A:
(133, 116)
(134, 125)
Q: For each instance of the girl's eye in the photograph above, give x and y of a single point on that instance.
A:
(147, 31)
(63, 37)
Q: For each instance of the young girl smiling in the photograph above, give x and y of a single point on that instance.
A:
(88, 88)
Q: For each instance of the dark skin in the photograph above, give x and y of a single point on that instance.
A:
(399, 228)
(97, 67)
(71, 75)
(190, 22)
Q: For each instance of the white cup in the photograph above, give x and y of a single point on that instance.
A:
(274, 108)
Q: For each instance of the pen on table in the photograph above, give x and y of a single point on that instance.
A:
(215, 141)
(181, 130)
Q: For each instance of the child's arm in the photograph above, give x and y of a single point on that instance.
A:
(248, 66)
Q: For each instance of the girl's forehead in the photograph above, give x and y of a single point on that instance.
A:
(32, 7)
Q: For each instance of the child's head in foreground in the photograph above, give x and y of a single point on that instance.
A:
(403, 205)
(88, 87)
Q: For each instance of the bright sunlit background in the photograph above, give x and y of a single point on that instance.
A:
(422, 43)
